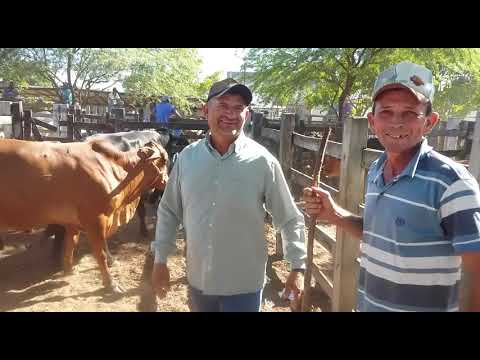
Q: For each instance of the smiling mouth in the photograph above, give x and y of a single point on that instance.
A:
(396, 137)
(230, 123)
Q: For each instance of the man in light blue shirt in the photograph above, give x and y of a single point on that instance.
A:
(220, 189)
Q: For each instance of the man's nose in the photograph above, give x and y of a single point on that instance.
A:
(396, 120)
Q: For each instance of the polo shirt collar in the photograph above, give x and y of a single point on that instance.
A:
(411, 168)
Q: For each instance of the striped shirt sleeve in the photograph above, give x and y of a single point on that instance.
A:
(460, 215)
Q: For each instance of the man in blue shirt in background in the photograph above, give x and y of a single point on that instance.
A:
(163, 111)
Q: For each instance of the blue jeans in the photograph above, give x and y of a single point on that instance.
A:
(233, 303)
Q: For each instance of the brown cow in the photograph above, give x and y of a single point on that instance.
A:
(90, 187)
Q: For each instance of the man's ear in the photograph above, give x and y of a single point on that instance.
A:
(248, 115)
(205, 109)
(431, 121)
(371, 121)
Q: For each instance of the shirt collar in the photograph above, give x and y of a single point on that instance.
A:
(411, 168)
(239, 143)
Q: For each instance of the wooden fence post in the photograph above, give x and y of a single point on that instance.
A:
(16, 109)
(27, 125)
(257, 120)
(355, 133)
(440, 146)
(287, 125)
(467, 150)
(297, 162)
(70, 120)
(475, 154)
(461, 140)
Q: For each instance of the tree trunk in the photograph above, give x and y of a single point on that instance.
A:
(69, 76)
(343, 96)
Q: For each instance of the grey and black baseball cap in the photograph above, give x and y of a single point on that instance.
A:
(416, 78)
(230, 86)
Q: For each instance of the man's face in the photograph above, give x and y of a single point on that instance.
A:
(226, 116)
(400, 121)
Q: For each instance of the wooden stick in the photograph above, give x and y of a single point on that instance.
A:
(307, 283)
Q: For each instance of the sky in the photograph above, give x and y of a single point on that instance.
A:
(223, 59)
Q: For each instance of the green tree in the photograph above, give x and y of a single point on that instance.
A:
(203, 86)
(156, 72)
(14, 68)
(80, 68)
(326, 77)
(145, 73)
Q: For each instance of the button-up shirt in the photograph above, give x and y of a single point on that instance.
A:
(222, 201)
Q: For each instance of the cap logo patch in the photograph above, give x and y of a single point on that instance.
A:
(416, 80)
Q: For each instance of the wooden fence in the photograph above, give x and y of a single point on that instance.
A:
(355, 160)
(24, 126)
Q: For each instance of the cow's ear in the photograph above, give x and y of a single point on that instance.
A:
(145, 153)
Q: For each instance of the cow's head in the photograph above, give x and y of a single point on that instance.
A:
(154, 160)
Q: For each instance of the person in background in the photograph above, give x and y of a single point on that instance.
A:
(114, 100)
(67, 95)
(10, 93)
(163, 111)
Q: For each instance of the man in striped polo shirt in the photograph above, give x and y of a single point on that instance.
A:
(422, 209)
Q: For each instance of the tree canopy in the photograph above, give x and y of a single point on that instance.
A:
(325, 77)
(144, 73)
(170, 72)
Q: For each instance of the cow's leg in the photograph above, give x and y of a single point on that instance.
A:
(70, 242)
(58, 249)
(110, 259)
(142, 214)
(97, 243)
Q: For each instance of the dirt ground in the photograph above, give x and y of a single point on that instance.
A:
(30, 282)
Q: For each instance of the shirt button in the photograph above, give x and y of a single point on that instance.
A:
(213, 204)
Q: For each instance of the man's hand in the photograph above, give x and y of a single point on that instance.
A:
(161, 279)
(319, 203)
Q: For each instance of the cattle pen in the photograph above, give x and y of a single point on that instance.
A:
(26, 127)
(286, 139)
(290, 139)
